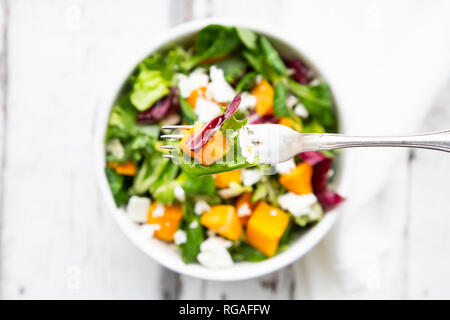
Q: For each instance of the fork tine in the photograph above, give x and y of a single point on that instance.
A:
(177, 127)
(172, 136)
(168, 156)
(167, 147)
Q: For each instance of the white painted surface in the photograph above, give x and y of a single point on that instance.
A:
(58, 241)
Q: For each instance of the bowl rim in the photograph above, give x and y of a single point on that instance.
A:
(247, 270)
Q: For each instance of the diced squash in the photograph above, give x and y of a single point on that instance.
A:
(126, 169)
(266, 227)
(217, 147)
(169, 220)
(264, 98)
(223, 220)
(286, 122)
(245, 199)
(224, 179)
(299, 180)
(192, 99)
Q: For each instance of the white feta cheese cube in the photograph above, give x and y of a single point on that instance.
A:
(285, 167)
(180, 237)
(201, 207)
(219, 88)
(247, 101)
(137, 208)
(214, 254)
(186, 84)
(206, 110)
(250, 176)
(244, 210)
(179, 194)
(301, 111)
(297, 204)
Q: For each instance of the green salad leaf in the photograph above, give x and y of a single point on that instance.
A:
(279, 100)
(248, 38)
(187, 113)
(317, 100)
(272, 57)
(117, 186)
(194, 232)
(149, 86)
(151, 169)
(247, 82)
(245, 252)
(215, 41)
(233, 67)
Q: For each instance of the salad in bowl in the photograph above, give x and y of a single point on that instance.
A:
(215, 205)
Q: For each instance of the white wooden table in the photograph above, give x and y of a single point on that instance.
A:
(59, 62)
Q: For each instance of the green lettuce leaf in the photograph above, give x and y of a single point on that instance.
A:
(149, 86)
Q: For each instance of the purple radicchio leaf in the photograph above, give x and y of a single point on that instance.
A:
(161, 109)
(254, 118)
(302, 72)
(197, 141)
(321, 167)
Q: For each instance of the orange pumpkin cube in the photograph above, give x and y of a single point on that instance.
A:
(126, 169)
(299, 180)
(167, 218)
(192, 99)
(217, 147)
(264, 94)
(245, 200)
(286, 122)
(224, 179)
(223, 220)
(266, 227)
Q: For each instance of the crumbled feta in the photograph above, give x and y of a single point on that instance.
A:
(214, 254)
(159, 211)
(198, 78)
(228, 193)
(115, 147)
(137, 208)
(300, 110)
(247, 101)
(259, 79)
(180, 237)
(244, 210)
(291, 101)
(250, 176)
(314, 82)
(247, 147)
(298, 205)
(285, 167)
(148, 230)
(179, 194)
(219, 88)
(273, 213)
(201, 207)
(194, 224)
(206, 110)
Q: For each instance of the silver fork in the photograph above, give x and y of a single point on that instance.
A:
(273, 143)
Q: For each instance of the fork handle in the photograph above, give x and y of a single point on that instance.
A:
(439, 140)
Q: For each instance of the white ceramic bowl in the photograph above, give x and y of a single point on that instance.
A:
(166, 254)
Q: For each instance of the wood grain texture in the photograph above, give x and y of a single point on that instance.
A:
(60, 62)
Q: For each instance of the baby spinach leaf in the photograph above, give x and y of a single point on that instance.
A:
(272, 57)
(279, 100)
(187, 113)
(194, 232)
(117, 186)
(317, 100)
(245, 252)
(247, 82)
(248, 38)
(233, 67)
(202, 185)
(215, 41)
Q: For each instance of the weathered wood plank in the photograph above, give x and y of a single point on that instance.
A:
(429, 241)
(4, 20)
(66, 59)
